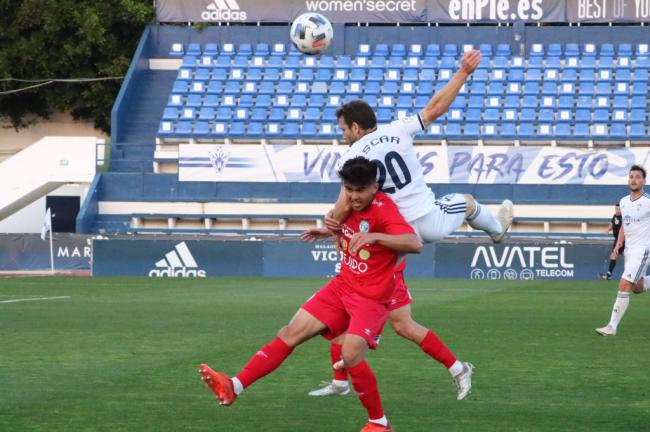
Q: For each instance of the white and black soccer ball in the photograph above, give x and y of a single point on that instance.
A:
(312, 33)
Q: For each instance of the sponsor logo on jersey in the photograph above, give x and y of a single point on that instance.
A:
(364, 226)
(364, 254)
(178, 262)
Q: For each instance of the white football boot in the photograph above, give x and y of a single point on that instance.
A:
(504, 216)
(329, 388)
(463, 381)
(608, 330)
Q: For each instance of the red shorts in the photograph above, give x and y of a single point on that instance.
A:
(342, 310)
(401, 296)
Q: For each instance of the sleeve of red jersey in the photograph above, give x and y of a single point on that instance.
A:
(394, 222)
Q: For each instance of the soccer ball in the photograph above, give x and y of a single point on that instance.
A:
(312, 33)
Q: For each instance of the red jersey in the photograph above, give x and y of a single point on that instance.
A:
(370, 271)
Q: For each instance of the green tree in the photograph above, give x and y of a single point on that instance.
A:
(41, 39)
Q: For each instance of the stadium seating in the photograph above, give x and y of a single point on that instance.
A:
(601, 91)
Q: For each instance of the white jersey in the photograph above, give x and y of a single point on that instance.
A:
(399, 170)
(636, 222)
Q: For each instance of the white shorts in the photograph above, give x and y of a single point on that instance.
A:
(636, 264)
(447, 215)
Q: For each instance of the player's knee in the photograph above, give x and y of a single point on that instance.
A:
(637, 288)
(403, 328)
(351, 356)
(290, 335)
(471, 203)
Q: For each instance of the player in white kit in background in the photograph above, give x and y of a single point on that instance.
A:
(635, 232)
(400, 172)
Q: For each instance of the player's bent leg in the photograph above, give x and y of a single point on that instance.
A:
(402, 322)
(303, 326)
(479, 217)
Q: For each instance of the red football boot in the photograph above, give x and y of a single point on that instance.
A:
(374, 427)
(220, 384)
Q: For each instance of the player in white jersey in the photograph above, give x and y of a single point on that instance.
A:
(635, 232)
(400, 172)
(400, 175)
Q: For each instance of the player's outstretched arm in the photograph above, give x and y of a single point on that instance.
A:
(406, 243)
(440, 102)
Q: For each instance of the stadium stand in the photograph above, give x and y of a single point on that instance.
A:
(224, 86)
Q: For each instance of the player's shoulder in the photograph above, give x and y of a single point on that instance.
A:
(626, 199)
(383, 202)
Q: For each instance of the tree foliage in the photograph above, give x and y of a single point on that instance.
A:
(42, 39)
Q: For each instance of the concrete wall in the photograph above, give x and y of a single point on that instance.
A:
(12, 141)
(30, 218)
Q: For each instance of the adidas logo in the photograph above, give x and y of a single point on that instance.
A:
(223, 10)
(179, 262)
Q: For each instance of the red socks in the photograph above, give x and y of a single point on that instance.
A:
(432, 345)
(335, 356)
(365, 384)
(265, 361)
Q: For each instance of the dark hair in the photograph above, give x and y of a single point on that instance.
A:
(357, 111)
(359, 172)
(638, 168)
(617, 205)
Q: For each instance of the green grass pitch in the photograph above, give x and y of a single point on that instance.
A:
(122, 355)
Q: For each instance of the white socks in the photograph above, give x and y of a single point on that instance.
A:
(483, 220)
(237, 385)
(340, 383)
(456, 368)
(620, 306)
(382, 421)
(646, 282)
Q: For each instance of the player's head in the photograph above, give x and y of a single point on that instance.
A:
(617, 209)
(359, 178)
(356, 119)
(636, 180)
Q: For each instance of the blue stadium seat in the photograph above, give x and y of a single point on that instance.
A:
(452, 130)
(546, 115)
(284, 87)
(508, 130)
(375, 75)
(211, 100)
(491, 115)
(201, 129)
(343, 62)
(563, 130)
(298, 100)
(601, 115)
(290, 130)
(425, 89)
(619, 116)
(166, 128)
(587, 75)
(603, 88)
(371, 99)
(170, 113)
(183, 129)
(509, 115)
(516, 75)
(527, 115)
(641, 50)
(384, 115)
(450, 50)
(262, 49)
(503, 50)
(639, 101)
(415, 50)
(526, 130)
(537, 50)
(279, 50)
(175, 100)
(378, 62)
(340, 75)
(535, 63)
(333, 101)
(563, 116)
(224, 113)
(176, 50)
(587, 89)
(263, 101)
(421, 102)
(294, 114)
(180, 86)
(282, 100)
(511, 101)
(219, 129)
(583, 115)
(533, 75)
(581, 130)
(312, 114)
(471, 131)
(405, 101)
(308, 130)
(625, 50)
(395, 62)
(258, 114)
(434, 131)
(473, 115)
(316, 101)
(277, 114)
(329, 114)
(327, 130)
(357, 74)
(206, 113)
(241, 113)
(637, 131)
(571, 50)
(433, 50)
(638, 116)
(529, 101)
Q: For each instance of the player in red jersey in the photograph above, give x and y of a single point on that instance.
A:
(355, 301)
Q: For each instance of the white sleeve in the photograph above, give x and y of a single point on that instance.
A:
(410, 125)
(349, 154)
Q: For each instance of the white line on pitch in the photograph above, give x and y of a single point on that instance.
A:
(34, 299)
